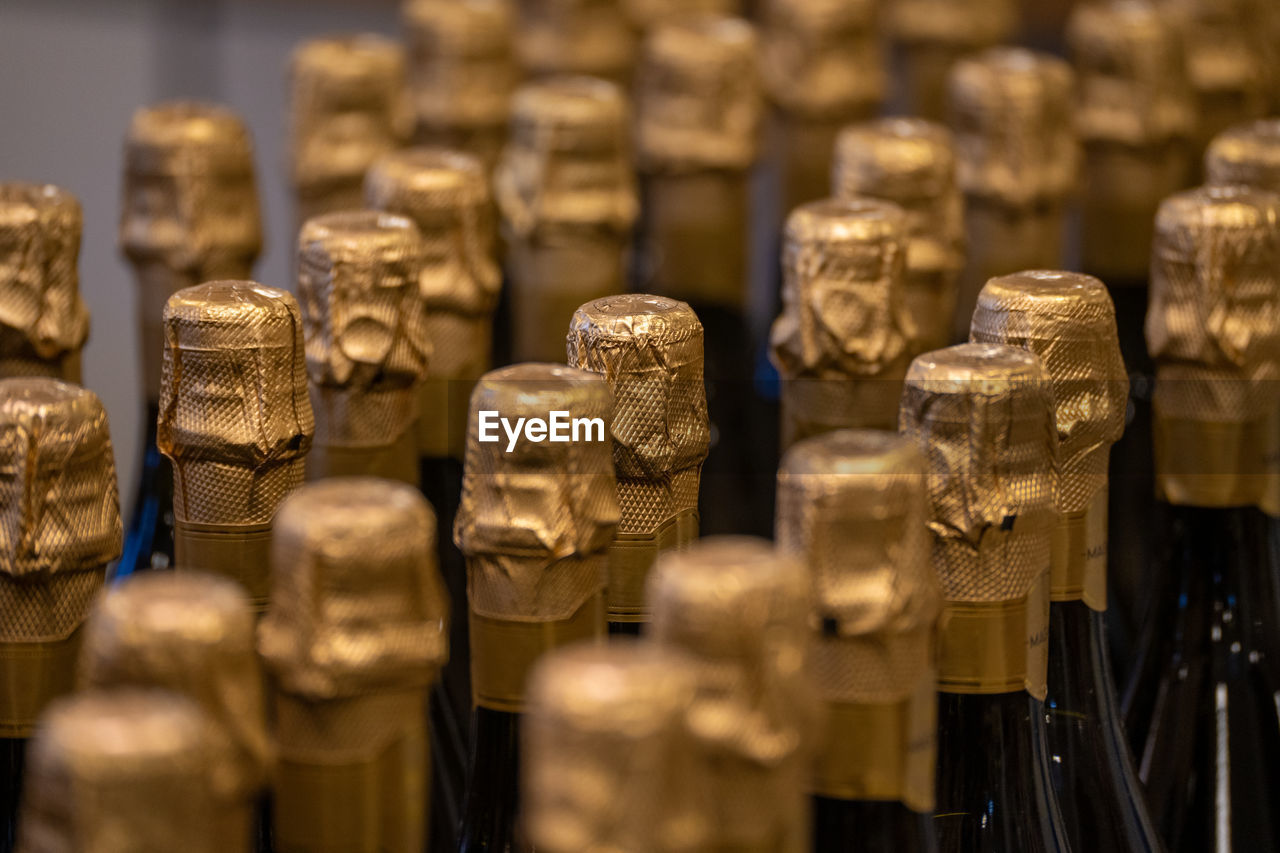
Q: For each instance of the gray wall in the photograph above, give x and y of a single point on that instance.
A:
(71, 74)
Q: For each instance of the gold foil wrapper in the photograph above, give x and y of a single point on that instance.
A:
(983, 414)
(821, 59)
(737, 609)
(234, 420)
(1214, 333)
(852, 506)
(349, 105)
(649, 350)
(122, 772)
(590, 37)
(912, 163)
(43, 321)
(646, 15)
(841, 343)
(1246, 154)
(193, 634)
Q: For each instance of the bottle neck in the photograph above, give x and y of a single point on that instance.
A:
(876, 825)
(492, 794)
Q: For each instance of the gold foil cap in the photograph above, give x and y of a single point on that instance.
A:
(606, 764)
(591, 37)
(357, 604)
(1224, 53)
(121, 772)
(1246, 154)
(59, 507)
(42, 316)
(462, 67)
(822, 58)
(193, 634)
(535, 521)
(568, 162)
(972, 24)
(1012, 113)
(1066, 319)
(234, 415)
(646, 15)
(699, 101)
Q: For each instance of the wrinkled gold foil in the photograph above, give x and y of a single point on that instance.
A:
(446, 193)
(606, 761)
(852, 507)
(1214, 333)
(193, 634)
(646, 15)
(235, 421)
(841, 342)
(349, 105)
(567, 195)
(43, 321)
(738, 609)
(190, 210)
(821, 58)
(912, 163)
(591, 37)
(1246, 154)
(983, 415)
(122, 772)
(462, 72)
(649, 350)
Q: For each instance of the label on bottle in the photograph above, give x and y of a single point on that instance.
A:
(503, 651)
(1213, 464)
(996, 646)
(241, 552)
(1079, 567)
(34, 674)
(631, 556)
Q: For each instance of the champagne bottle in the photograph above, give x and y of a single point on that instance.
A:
(462, 73)
(567, 199)
(60, 512)
(737, 609)
(349, 105)
(535, 524)
(649, 350)
(364, 322)
(841, 343)
(852, 506)
(1068, 321)
(1017, 158)
(124, 770)
(193, 634)
(586, 37)
(235, 423)
(355, 634)
(912, 163)
(1201, 709)
(648, 15)
(43, 321)
(189, 214)
(983, 415)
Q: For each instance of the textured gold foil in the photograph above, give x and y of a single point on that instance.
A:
(737, 609)
(123, 771)
(841, 342)
(1135, 116)
(591, 37)
(606, 760)
(349, 105)
(235, 421)
(1214, 333)
(649, 350)
(189, 212)
(59, 527)
(193, 634)
(983, 415)
(821, 58)
(852, 507)
(43, 321)
(567, 195)
(446, 193)
(646, 15)
(912, 163)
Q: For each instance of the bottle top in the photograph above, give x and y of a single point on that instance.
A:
(59, 507)
(1133, 86)
(822, 58)
(40, 300)
(536, 515)
(972, 24)
(190, 194)
(234, 458)
(699, 98)
(191, 633)
(1246, 154)
(613, 713)
(842, 273)
(1223, 56)
(1068, 320)
(983, 414)
(646, 15)
(357, 604)
(589, 37)
(121, 772)
(1012, 112)
(462, 67)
